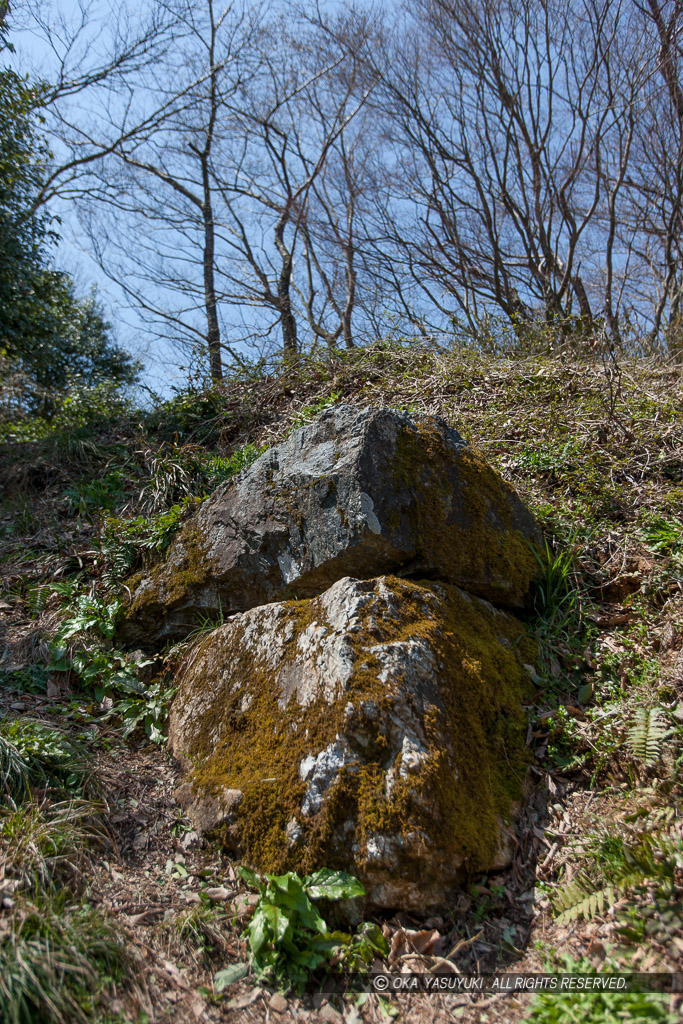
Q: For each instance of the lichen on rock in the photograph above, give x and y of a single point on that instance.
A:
(358, 492)
(377, 727)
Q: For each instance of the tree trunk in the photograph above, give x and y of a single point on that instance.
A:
(213, 334)
(289, 339)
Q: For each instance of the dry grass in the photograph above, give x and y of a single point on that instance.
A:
(597, 451)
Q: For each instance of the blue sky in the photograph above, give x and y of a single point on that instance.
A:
(33, 56)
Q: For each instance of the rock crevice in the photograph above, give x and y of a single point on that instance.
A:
(361, 707)
(360, 493)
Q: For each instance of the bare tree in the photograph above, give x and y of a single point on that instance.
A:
(177, 152)
(293, 120)
(655, 181)
(94, 56)
(232, 131)
(314, 177)
(503, 119)
(529, 160)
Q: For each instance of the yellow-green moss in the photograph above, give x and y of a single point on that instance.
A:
(170, 581)
(258, 750)
(478, 544)
(132, 583)
(473, 785)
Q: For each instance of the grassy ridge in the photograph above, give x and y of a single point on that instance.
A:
(595, 449)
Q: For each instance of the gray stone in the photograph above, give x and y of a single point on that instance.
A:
(358, 492)
(377, 728)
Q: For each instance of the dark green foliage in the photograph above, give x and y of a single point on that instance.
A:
(30, 679)
(83, 647)
(288, 939)
(558, 623)
(190, 415)
(33, 755)
(24, 235)
(59, 341)
(557, 599)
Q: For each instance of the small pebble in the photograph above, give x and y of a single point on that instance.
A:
(217, 894)
(329, 1015)
(277, 1002)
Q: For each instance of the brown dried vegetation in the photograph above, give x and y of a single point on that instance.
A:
(602, 467)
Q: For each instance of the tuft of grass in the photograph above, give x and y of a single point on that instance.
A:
(557, 597)
(14, 773)
(207, 623)
(558, 625)
(203, 928)
(57, 961)
(45, 846)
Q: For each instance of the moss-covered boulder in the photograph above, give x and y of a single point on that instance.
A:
(377, 728)
(358, 492)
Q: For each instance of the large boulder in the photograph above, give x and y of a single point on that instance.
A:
(358, 492)
(377, 728)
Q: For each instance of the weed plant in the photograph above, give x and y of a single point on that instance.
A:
(289, 940)
(34, 756)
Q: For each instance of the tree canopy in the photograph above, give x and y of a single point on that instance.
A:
(49, 338)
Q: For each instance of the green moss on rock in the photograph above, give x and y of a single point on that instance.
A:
(172, 582)
(466, 514)
(239, 724)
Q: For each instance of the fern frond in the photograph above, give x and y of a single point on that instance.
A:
(646, 735)
(120, 558)
(667, 853)
(37, 598)
(654, 856)
(579, 900)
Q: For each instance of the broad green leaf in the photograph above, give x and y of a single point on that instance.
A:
(259, 932)
(155, 734)
(229, 975)
(371, 934)
(585, 693)
(333, 885)
(288, 891)
(278, 920)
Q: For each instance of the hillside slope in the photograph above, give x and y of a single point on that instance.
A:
(95, 855)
